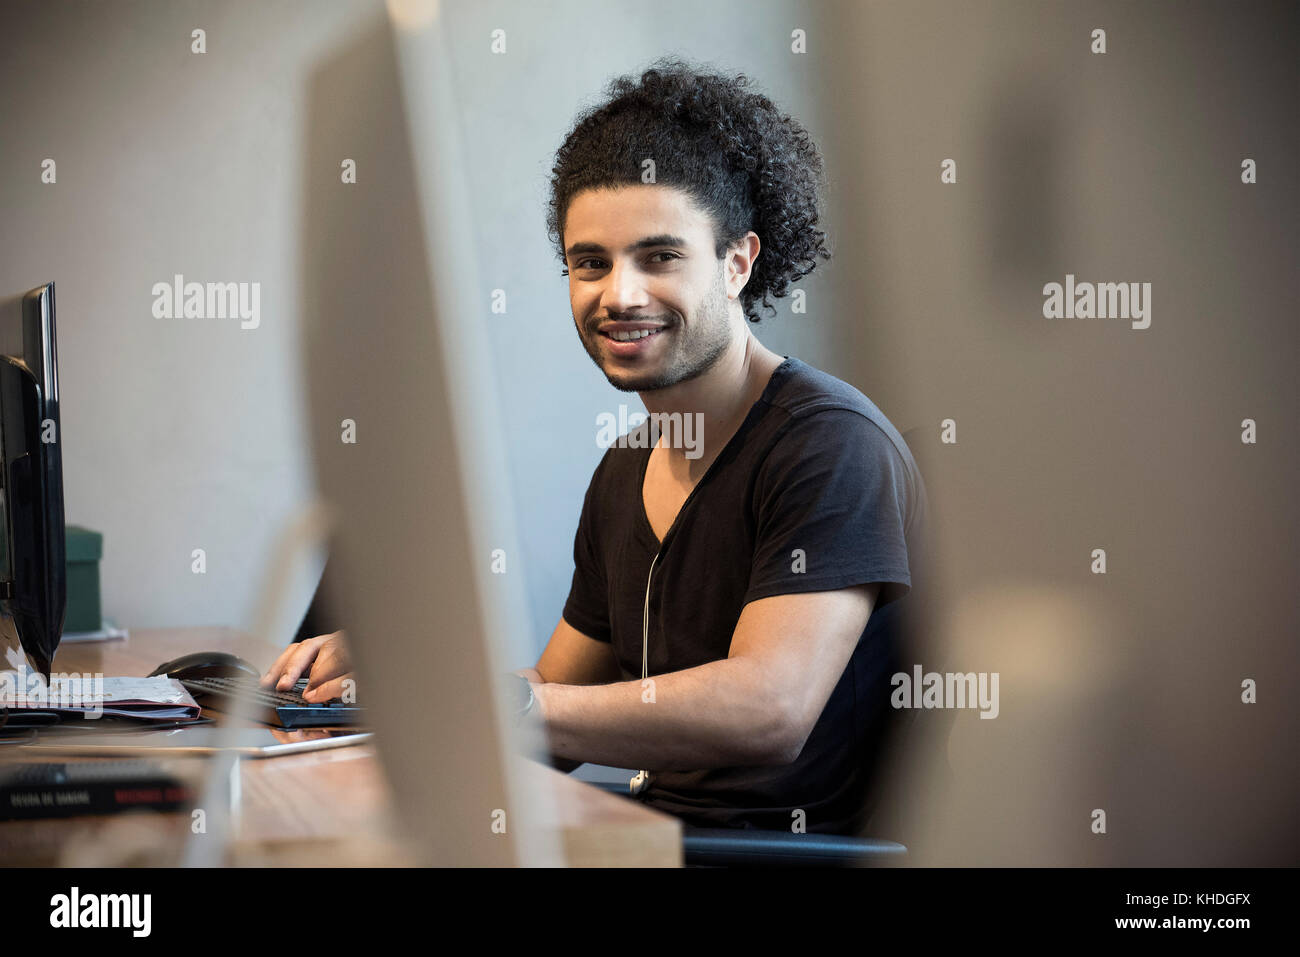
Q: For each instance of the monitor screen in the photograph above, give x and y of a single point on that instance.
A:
(32, 570)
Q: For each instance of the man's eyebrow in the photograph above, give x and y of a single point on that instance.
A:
(663, 239)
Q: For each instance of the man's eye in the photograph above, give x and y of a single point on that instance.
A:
(590, 263)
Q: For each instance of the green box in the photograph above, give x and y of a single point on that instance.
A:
(83, 549)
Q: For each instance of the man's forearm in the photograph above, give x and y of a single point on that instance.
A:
(557, 762)
(713, 715)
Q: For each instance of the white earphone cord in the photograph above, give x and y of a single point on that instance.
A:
(642, 778)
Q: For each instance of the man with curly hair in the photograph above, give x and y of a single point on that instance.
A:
(728, 628)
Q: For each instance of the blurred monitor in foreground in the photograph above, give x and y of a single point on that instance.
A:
(403, 426)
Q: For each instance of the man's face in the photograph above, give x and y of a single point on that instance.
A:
(641, 264)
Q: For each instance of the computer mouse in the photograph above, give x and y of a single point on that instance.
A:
(206, 664)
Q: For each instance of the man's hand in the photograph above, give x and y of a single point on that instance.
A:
(324, 659)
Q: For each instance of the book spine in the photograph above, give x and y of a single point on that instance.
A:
(68, 800)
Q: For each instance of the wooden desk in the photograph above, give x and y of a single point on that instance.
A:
(324, 808)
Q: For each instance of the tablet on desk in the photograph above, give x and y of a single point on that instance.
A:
(246, 742)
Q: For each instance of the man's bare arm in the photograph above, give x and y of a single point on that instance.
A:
(572, 658)
(757, 706)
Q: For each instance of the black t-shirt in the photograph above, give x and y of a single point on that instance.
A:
(816, 491)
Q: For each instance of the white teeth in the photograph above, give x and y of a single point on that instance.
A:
(630, 336)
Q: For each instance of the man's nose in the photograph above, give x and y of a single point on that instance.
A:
(624, 289)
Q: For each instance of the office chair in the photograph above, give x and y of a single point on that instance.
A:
(752, 847)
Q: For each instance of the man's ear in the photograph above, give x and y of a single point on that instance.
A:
(740, 259)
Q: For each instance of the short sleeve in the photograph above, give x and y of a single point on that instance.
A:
(587, 607)
(833, 501)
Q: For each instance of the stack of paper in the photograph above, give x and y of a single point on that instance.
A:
(90, 696)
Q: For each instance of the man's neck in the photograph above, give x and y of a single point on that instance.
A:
(723, 396)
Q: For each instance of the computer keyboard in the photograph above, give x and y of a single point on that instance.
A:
(287, 709)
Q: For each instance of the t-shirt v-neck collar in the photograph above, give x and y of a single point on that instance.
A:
(774, 380)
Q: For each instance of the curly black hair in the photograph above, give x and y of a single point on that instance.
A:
(750, 166)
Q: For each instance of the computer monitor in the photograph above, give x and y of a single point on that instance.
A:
(407, 445)
(33, 576)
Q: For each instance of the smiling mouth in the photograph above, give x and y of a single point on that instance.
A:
(634, 335)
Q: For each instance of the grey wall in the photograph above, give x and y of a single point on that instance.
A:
(178, 434)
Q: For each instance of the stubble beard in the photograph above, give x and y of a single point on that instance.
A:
(689, 357)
